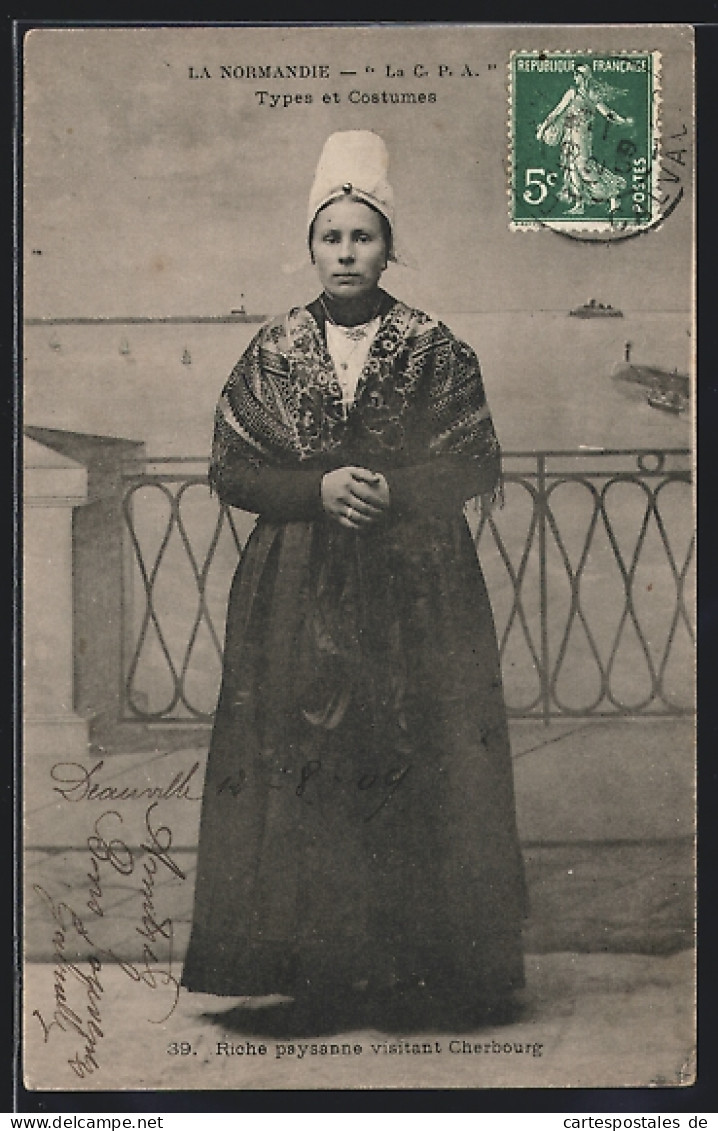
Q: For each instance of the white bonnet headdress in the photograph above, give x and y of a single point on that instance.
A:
(355, 163)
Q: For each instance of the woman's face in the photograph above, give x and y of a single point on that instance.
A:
(348, 248)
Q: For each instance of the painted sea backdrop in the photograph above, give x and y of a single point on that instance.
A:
(548, 376)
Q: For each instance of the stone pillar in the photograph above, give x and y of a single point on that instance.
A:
(101, 604)
(53, 486)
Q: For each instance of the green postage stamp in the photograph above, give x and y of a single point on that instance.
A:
(583, 139)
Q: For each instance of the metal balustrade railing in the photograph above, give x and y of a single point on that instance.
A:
(589, 565)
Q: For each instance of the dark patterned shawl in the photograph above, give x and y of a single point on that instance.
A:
(420, 395)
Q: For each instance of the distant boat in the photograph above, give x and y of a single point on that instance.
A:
(241, 315)
(125, 347)
(670, 400)
(593, 309)
(186, 357)
(54, 344)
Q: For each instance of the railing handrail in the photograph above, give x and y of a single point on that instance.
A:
(562, 576)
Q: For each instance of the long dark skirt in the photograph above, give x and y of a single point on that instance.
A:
(358, 816)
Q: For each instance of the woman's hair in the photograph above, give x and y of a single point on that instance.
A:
(385, 225)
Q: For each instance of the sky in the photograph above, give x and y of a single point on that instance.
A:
(151, 192)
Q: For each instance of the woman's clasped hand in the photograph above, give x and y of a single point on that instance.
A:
(355, 497)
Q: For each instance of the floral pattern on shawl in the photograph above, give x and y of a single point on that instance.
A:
(420, 395)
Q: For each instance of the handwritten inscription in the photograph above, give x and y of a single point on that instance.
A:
(314, 773)
(74, 782)
(74, 931)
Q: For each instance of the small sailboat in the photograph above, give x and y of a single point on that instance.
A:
(186, 357)
(54, 343)
(125, 347)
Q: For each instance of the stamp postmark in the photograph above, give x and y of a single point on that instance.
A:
(584, 140)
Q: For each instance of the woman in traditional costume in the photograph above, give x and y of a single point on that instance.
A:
(358, 831)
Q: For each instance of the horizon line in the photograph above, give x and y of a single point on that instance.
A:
(132, 319)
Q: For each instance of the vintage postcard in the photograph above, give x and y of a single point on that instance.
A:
(358, 557)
